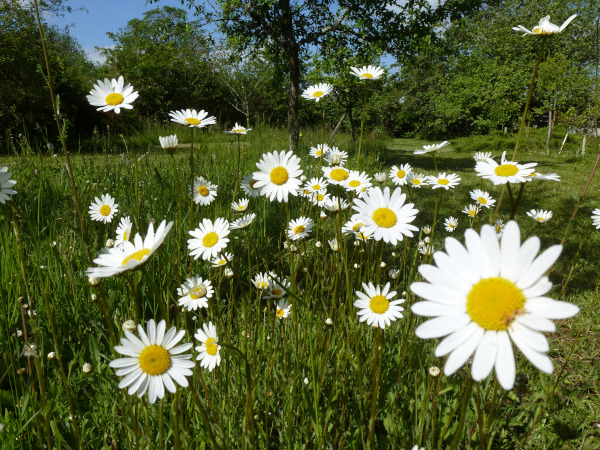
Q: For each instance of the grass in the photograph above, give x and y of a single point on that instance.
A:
(307, 383)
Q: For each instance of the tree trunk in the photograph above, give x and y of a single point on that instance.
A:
(293, 123)
(549, 129)
(337, 127)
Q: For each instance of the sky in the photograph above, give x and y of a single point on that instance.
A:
(91, 19)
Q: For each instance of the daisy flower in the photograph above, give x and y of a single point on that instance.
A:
(596, 218)
(209, 350)
(222, 259)
(238, 129)
(482, 156)
(399, 174)
(357, 182)
(194, 293)
(352, 226)
(334, 245)
(471, 210)
(443, 181)
(499, 225)
(240, 205)
(204, 191)
(336, 157)
(545, 176)
(376, 305)
(123, 231)
(335, 175)
(242, 223)
(450, 224)
(168, 143)
(5, 185)
(485, 295)
(319, 150)
(335, 203)
(380, 177)
(276, 288)
(192, 118)
(431, 148)
(278, 175)
(540, 216)
(482, 198)
(545, 27)
(129, 256)
(300, 228)
(282, 309)
(505, 172)
(416, 180)
(385, 215)
(103, 209)
(262, 281)
(112, 95)
(367, 73)
(317, 91)
(209, 239)
(316, 184)
(426, 249)
(426, 230)
(249, 186)
(153, 361)
(321, 198)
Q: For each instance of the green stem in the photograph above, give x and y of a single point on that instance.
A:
(362, 128)
(463, 413)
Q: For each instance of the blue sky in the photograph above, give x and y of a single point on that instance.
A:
(91, 19)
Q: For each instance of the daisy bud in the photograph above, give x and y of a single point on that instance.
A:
(318, 244)
(19, 333)
(356, 243)
(94, 281)
(21, 371)
(356, 266)
(394, 254)
(434, 371)
(323, 215)
(94, 297)
(305, 380)
(129, 325)
(228, 272)
(329, 321)
(110, 243)
(87, 368)
(382, 265)
(427, 240)
(303, 178)
(393, 273)
(51, 355)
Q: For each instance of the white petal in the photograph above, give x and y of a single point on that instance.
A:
(505, 361)
(536, 340)
(463, 352)
(455, 339)
(539, 360)
(539, 266)
(441, 326)
(433, 309)
(551, 309)
(485, 355)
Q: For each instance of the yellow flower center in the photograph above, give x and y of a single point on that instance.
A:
(252, 183)
(279, 313)
(366, 75)
(238, 130)
(203, 191)
(493, 303)
(357, 226)
(482, 200)
(241, 208)
(262, 285)
(320, 197)
(211, 346)
(506, 170)
(105, 210)
(318, 94)
(318, 153)
(306, 191)
(472, 212)
(316, 187)
(139, 255)
(198, 291)
(114, 99)
(192, 121)
(401, 174)
(385, 217)
(276, 292)
(299, 229)
(443, 181)
(154, 360)
(210, 239)
(279, 175)
(379, 304)
(354, 183)
(125, 235)
(416, 181)
(339, 174)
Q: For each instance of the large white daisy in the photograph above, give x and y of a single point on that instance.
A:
(482, 198)
(443, 181)
(194, 293)
(540, 216)
(399, 174)
(5, 185)
(376, 305)
(335, 174)
(336, 157)
(208, 240)
(545, 27)
(300, 228)
(596, 218)
(357, 182)
(168, 143)
(192, 118)
(153, 361)
(317, 91)
(129, 256)
(209, 350)
(242, 223)
(485, 294)
(112, 95)
(249, 186)
(431, 148)
(123, 231)
(319, 150)
(103, 209)
(385, 215)
(278, 176)
(238, 129)
(505, 172)
(367, 73)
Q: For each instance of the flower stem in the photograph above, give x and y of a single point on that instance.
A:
(362, 128)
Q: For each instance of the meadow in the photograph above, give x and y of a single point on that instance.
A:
(309, 376)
